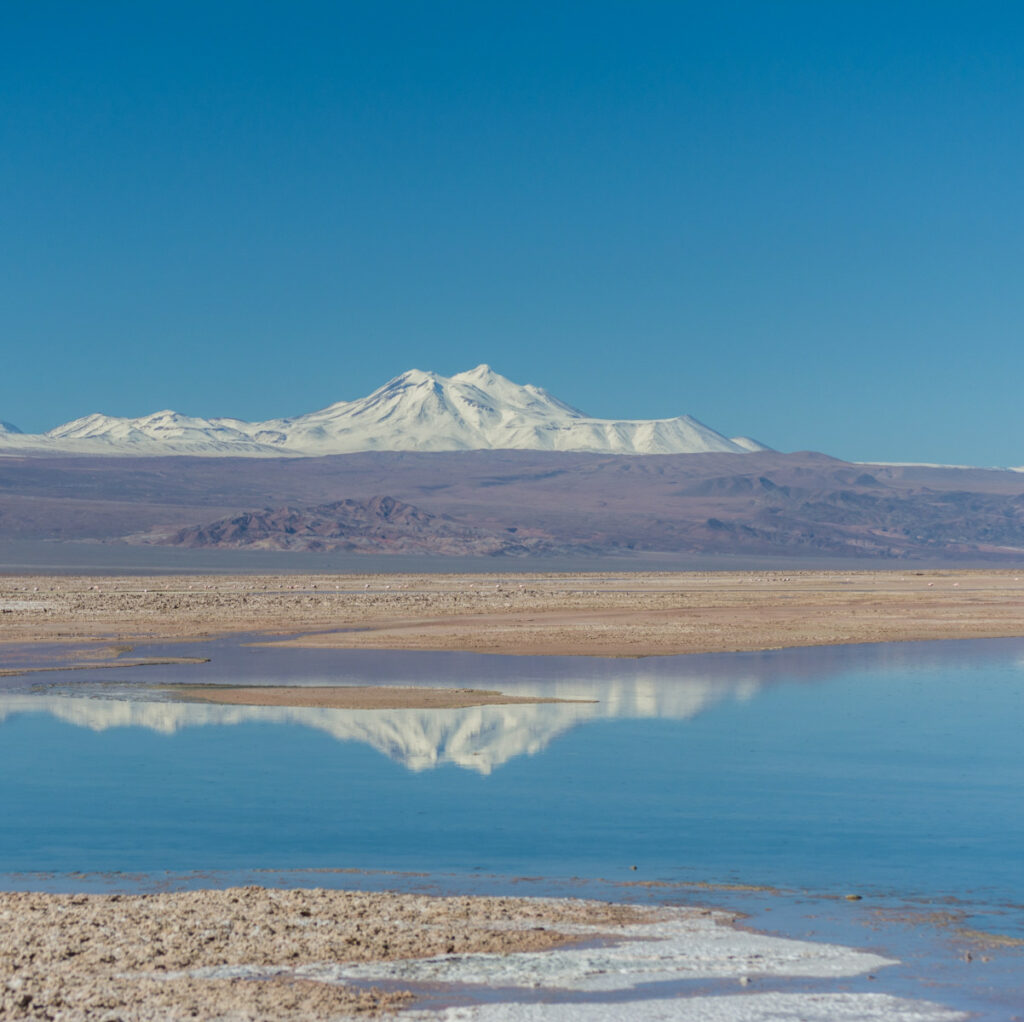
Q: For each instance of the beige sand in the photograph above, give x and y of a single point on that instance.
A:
(349, 697)
(605, 615)
(80, 957)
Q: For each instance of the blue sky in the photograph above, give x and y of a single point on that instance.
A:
(802, 221)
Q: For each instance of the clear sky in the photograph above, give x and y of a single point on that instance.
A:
(802, 221)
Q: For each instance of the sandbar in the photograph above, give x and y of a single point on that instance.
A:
(349, 697)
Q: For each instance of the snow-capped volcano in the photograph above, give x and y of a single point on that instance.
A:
(417, 411)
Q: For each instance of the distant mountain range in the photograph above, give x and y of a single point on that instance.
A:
(475, 465)
(417, 411)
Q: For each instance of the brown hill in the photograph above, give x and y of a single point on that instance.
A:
(377, 525)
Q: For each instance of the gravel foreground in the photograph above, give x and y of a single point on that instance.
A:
(129, 957)
(255, 954)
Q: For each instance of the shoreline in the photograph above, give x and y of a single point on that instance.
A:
(316, 953)
(608, 615)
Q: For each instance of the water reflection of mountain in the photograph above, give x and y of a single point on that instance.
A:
(477, 738)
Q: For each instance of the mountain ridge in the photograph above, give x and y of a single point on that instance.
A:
(416, 411)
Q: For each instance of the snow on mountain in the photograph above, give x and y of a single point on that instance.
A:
(158, 433)
(748, 443)
(8, 427)
(417, 411)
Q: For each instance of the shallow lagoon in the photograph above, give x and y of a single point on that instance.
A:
(894, 772)
(874, 769)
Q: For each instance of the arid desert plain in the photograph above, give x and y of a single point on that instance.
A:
(608, 615)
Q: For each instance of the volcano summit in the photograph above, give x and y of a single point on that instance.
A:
(417, 411)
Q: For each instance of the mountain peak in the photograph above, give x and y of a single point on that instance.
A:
(478, 409)
(481, 372)
(410, 378)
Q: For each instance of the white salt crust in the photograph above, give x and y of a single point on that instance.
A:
(770, 1007)
(684, 944)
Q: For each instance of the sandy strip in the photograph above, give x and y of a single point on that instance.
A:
(350, 697)
(622, 614)
(91, 664)
(256, 953)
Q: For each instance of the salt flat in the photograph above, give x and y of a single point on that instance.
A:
(620, 614)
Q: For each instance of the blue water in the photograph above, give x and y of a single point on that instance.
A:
(881, 770)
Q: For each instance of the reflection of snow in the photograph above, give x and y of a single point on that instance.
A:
(478, 738)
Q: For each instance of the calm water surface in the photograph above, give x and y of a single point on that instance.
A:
(878, 769)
